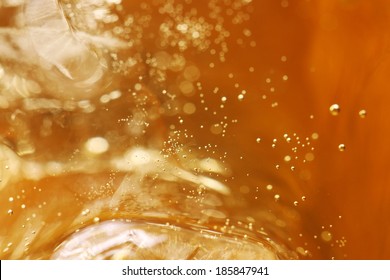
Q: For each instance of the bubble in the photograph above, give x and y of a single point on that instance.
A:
(240, 97)
(284, 3)
(137, 86)
(10, 212)
(244, 189)
(342, 147)
(309, 156)
(10, 199)
(258, 140)
(85, 212)
(216, 128)
(96, 219)
(191, 73)
(189, 108)
(277, 197)
(97, 145)
(326, 236)
(296, 203)
(362, 113)
(334, 109)
(115, 94)
(186, 87)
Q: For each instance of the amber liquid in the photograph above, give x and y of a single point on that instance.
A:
(243, 127)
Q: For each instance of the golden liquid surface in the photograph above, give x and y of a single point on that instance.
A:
(223, 129)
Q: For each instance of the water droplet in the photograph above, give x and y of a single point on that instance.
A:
(362, 113)
(334, 109)
(341, 147)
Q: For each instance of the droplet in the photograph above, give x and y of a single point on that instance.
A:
(276, 197)
(334, 109)
(362, 113)
(258, 140)
(10, 199)
(10, 212)
(341, 147)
